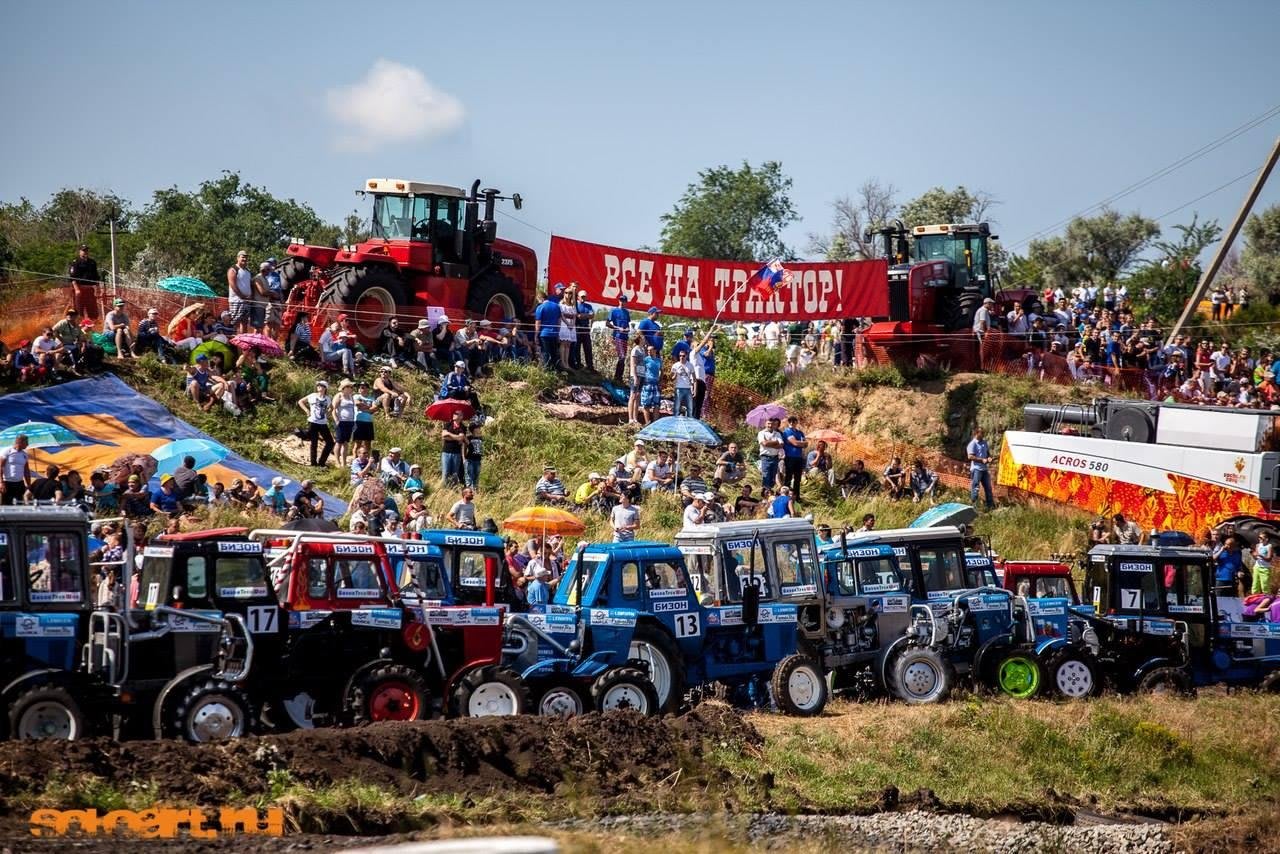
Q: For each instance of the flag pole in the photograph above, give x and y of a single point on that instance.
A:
(716, 320)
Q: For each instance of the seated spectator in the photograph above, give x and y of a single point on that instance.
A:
(413, 483)
(200, 383)
(895, 478)
(104, 494)
(335, 354)
(149, 338)
(244, 494)
(136, 498)
(696, 512)
(660, 474)
(71, 335)
(116, 327)
(26, 367)
(47, 488)
(637, 458)
(393, 470)
(731, 466)
(585, 496)
(693, 483)
(782, 506)
(363, 466)
(856, 480)
(307, 502)
(550, 489)
(274, 499)
(819, 464)
(416, 515)
(611, 493)
(298, 344)
(456, 385)
(923, 482)
(391, 396)
(395, 343)
(746, 505)
(166, 499)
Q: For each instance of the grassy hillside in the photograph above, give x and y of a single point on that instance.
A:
(877, 410)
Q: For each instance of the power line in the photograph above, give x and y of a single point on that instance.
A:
(1160, 173)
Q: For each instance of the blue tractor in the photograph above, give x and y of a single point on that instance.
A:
(713, 627)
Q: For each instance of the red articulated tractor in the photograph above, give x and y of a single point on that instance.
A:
(430, 245)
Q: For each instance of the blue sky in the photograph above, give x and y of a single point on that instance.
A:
(600, 114)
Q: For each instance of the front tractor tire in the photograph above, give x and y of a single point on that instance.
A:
(921, 675)
(496, 298)
(371, 295)
(798, 686)
(960, 309)
(490, 692)
(392, 692)
(625, 689)
(212, 711)
(46, 711)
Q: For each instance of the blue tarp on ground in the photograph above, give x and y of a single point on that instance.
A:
(113, 420)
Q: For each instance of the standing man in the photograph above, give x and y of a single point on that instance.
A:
(275, 299)
(982, 319)
(635, 373)
(546, 328)
(85, 280)
(769, 441)
(240, 291)
(649, 396)
(979, 459)
(625, 519)
(651, 329)
(586, 312)
(15, 466)
(619, 328)
(794, 451)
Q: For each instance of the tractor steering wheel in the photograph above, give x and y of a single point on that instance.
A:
(421, 228)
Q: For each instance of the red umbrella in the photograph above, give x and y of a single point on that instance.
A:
(831, 437)
(265, 345)
(443, 410)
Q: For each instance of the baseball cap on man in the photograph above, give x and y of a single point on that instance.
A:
(653, 309)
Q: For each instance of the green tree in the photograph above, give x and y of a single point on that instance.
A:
(73, 215)
(941, 206)
(1261, 257)
(1101, 248)
(1161, 288)
(732, 215)
(200, 232)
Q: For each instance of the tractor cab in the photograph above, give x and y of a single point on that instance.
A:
(778, 557)
(431, 218)
(417, 570)
(1040, 579)
(470, 558)
(963, 246)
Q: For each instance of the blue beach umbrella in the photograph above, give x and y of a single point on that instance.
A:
(185, 286)
(681, 430)
(168, 457)
(40, 434)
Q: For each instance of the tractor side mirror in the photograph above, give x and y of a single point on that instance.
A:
(517, 201)
(750, 605)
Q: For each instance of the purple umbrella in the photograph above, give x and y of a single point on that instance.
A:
(764, 412)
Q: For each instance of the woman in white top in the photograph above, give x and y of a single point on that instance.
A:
(316, 406)
(345, 408)
(568, 323)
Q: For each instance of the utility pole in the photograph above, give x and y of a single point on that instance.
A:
(1227, 239)
(115, 271)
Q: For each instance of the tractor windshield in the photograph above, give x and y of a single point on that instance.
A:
(963, 250)
(401, 217)
(567, 589)
(869, 575)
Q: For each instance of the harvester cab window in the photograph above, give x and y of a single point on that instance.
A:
(942, 568)
(392, 217)
(54, 568)
(795, 563)
(8, 590)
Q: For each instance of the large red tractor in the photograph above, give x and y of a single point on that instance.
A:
(938, 277)
(429, 246)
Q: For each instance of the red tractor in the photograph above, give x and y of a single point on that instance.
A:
(429, 247)
(938, 277)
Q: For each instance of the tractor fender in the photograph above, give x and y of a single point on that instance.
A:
(882, 661)
(1051, 645)
(157, 709)
(321, 256)
(29, 677)
(466, 668)
(593, 665)
(545, 668)
(998, 642)
(1151, 664)
(370, 259)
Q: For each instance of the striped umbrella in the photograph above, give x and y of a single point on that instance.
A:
(185, 286)
(681, 431)
(41, 434)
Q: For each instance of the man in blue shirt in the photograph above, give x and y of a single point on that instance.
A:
(684, 345)
(546, 328)
(165, 499)
(580, 354)
(1229, 567)
(979, 453)
(651, 330)
(620, 327)
(794, 448)
(649, 391)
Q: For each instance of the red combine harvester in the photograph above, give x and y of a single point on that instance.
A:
(429, 246)
(938, 277)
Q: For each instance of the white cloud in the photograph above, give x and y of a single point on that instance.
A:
(393, 103)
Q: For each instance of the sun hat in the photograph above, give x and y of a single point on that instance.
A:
(459, 364)
(395, 451)
(416, 496)
(424, 324)
(346, 384)
(117, 301)
(279, 482)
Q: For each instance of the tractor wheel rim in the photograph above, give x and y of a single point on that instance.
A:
(624, 696)
(393, 701)
(215, 719)
(499, 308)
(493, 699)
(372, 310)
(802, 688)
(1075, 679)
(560, 703)
(659, 667)
(47, 719)
(920, 679)
(1019, 677)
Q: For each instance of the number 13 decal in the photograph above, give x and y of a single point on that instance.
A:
(687, 626)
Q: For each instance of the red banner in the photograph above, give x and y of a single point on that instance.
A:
(695, 287)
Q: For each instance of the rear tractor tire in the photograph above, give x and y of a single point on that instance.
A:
(46, 711)
(371, 295)
(496, 298)
(392, 692)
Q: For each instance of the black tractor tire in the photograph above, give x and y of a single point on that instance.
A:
(658, 649)
(349, 285)
(489, 692)
(1249, 528)
(212, 711)
(921, 675)
(1166, 680)
(560, 698)
(1073, 675)
(493, 288)
(391, 692)
(624, 688)
(294, 269)
(960, 309)
(798, 686)
(46, 711)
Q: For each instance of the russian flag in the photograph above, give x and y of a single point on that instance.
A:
(768, 279)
